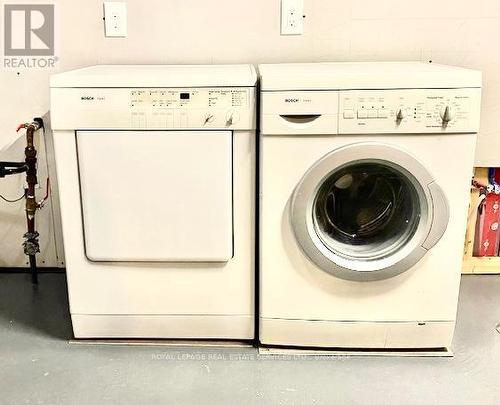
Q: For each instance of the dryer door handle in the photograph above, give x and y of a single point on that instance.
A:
(300, 118)
(440, 215)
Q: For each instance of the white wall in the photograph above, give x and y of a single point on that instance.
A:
(459, 32)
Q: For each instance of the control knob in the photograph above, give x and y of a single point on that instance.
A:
(400, 115)
(232, 117)
(447, 115)
(208, 118)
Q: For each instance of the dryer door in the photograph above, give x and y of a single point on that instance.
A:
(156, 195)
(368, 211)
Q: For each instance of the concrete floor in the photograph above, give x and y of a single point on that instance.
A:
(39, 366)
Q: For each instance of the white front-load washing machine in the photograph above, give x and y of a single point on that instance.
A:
(364, 189)
(156, 181)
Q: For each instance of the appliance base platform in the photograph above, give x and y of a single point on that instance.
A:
(163, 342)
(283, 351)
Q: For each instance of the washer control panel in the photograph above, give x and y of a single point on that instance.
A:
(409, 111)
(155, 108)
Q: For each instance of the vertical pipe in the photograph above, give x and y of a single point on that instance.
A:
(31, 243)
(33, 269)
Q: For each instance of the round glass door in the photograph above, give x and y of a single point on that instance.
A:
(367, 211)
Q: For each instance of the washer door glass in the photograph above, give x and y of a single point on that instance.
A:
(366, 211)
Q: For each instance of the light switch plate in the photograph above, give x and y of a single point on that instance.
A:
(292, 19)
(115, 18)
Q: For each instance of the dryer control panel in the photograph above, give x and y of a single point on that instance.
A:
(155, 108)
(187, 108)
(409, 111)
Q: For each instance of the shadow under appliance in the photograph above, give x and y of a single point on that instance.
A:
(365, 179)
(156, 179)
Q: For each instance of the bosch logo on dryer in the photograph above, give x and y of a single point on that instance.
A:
(92, 98)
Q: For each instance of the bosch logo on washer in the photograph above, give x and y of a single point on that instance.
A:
(297, 100)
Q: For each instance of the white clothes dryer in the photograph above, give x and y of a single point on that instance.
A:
(156, 179)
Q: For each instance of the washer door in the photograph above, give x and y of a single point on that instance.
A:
(368, 211)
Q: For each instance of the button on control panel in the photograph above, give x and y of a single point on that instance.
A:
(409, 110)
(348, 114)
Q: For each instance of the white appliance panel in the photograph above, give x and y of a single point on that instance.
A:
(154, 108)
(386, 111)
(133, 76)
(156, 195)
(420, 111)
(365, 75)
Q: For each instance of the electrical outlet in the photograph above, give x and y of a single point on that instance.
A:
(292, 18)
(115, 18)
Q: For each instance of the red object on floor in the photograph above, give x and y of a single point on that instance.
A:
(488, 224)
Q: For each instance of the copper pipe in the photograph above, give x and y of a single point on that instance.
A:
(31, 246)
